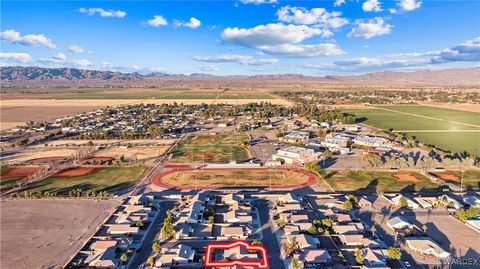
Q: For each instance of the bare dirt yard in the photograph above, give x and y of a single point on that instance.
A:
(78, 171)
(47, 233)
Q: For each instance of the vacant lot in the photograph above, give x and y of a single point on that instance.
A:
(378, 181)
(46, 233)
(142, 154)
(211, 148)
(229, 178)
(471, 178)
(111, 179)
(449, 129)
(37, 154)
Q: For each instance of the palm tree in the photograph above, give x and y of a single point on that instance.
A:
(373, 230)
(424, 228)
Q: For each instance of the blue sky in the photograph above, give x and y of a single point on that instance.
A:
(245, 37)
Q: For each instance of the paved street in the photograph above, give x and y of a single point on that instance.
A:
(269, 238)
(146, 248)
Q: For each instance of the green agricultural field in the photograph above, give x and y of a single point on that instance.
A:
(448, 129)
(110, 179)
(213, 149)
(378, 181)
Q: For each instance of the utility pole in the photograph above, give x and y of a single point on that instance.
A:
(270, 173)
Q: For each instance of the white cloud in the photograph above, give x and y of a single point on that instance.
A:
(370, 28)
(82, 63)
(234, 58)
(372, 6)
(338, 3)
(258, 2)
(103, 13)
(16, 56)
(208, 68)
(157, 21)
(317, 17)
(35, 41)
(193, 23)
(295, 50)
(60, 56)
(76, 49)
(393, 11)
(281, 39)
(409, 5)
(468, 51)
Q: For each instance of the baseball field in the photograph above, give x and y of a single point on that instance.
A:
(112, 179)
(378, 181)
(211, 148)
(452, 130)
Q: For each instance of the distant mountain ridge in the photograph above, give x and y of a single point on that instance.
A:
(14, 76)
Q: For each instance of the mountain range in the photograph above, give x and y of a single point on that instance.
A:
(18, 76)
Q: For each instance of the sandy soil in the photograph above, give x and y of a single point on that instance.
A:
(147, 154)
(78, 171)
(47, 233)
(19, 172)
(39, 153)
(462, 107)
(450, 177)
(406, 177)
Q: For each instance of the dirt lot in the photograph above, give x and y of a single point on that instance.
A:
(147, 154)
(39, 154)
(47, 233)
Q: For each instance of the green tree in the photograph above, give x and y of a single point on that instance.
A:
(373, 230)
(394, 253)
(347, 205)
(312, 230)
(403, 202)
(358, 257)
(281, 223)
(156, 247)
(315, 168)
(151, 260)
(295, 263)
(211, 219)
(124, 258)
(327, 223)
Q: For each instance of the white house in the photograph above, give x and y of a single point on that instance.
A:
(426, 246)
(398, 223)
(293, 155)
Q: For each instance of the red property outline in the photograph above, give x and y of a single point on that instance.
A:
(259, 264)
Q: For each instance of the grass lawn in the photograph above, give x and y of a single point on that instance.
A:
(213, 149)
(219, 178)
(471, 178)
(110, 179)
(377, 182)
(8, 183)
(448, 129)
